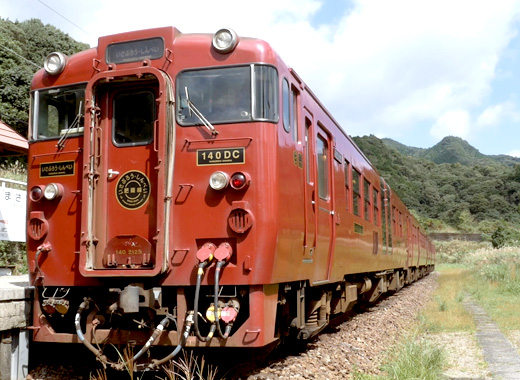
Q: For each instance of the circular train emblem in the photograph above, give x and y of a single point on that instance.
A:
(133, 189)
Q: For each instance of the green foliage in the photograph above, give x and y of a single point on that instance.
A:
(415, 358)
(451, 186)
(418, 359)
(498, 238)
(24, 45)
(502, 269)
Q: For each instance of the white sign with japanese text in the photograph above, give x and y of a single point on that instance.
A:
(12, 214)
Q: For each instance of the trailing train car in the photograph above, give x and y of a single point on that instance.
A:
(191, 190)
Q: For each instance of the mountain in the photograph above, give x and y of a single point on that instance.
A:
(452, 150)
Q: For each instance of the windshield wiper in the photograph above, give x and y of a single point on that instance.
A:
(73, 125)
(200, 116)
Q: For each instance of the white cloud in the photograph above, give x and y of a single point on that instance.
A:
(382, 67)
(410, 60)
(514, 153)
(452, 123)
(494, 115)
(491, 116)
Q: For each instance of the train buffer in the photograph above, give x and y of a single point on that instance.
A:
(15, 311)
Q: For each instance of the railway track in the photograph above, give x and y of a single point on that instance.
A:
(360, 342)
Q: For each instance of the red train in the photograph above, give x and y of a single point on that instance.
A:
(190, 190)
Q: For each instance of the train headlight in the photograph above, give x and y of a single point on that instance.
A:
(225, 40)
(55, 63)
(52, 191)
(218, 180)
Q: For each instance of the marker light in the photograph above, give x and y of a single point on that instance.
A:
(225, 40)
(52, 191)
(239, 180)
(218, 180)
(55, 63)
(36, 194)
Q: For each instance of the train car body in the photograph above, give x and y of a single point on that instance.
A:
(173, 175)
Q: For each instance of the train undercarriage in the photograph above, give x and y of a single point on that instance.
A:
(142, 317)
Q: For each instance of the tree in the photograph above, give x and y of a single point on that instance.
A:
(24, 46)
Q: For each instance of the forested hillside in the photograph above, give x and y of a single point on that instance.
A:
(23, 47)
(452, 186)
(450, 151)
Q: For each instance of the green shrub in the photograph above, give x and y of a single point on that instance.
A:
(418, 358)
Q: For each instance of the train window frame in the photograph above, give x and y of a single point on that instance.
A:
(375, 197)
(137, 140)
(323, 157)
(367, 202)
(261, 106)
(356, 191)
(286, 105)
(73, 117)
(347, 184)
(294, 113)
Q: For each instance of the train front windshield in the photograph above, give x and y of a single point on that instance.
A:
(57, 112)
(228, 95)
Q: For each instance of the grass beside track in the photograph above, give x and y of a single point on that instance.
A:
(490, 276)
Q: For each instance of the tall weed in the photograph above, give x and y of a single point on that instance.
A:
(415, 358)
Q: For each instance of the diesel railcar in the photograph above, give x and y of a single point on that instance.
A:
(191, 190)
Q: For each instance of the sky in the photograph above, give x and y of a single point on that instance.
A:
(415, 71)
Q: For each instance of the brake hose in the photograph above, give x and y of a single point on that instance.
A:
(224, 335)
(77, 322)
(187, 328)
(158, 330)
(200, 273)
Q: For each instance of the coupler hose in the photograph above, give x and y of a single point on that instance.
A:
(200, 273)
(158, 330)
(187, 328)
(225, 335)
(77, 322)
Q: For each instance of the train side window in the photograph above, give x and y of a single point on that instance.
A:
(308, 171)
(290, 109)
(384, 215)
(394, 220)
(356, 189)
(375, 197)
(323, 163)
(286, 104)
(366, 193)
(57, 112)
(347, 184)
(294, 114)
(265, 93)
(133, 118)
